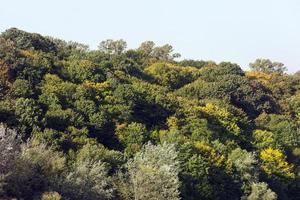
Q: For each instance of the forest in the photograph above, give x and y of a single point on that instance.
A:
(141, 124)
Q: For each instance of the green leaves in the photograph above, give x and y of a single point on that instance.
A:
(154, 173)
(260, 191)
(61, 119)
(90, 115)
(79, 71)
(266, 65)
(172, 76)
(27, 112)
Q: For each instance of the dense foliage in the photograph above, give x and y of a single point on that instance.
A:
(118, 123)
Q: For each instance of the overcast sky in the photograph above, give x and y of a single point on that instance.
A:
(221, 30)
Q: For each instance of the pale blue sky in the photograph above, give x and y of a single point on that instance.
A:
(221, 30)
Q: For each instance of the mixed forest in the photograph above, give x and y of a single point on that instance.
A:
(141, 124)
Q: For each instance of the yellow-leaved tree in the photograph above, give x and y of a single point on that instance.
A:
(274, 163)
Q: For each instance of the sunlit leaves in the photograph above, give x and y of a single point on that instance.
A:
(274, 163)
(266, 65)
(172, 76)
(224, 117)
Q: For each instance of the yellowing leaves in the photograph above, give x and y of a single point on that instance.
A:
(298, 117)
(156, 68)
(263, 139)
(171, 75)
(223, 116)
(102, 90)
(274, 162)
(4, 72)
(38, 59)
(214, 157)
(30, 54)
(172, 122)
(261, 76)
(97, 86)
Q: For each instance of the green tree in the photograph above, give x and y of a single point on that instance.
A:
(172, 76)
(21, 88)
(87, 178)
(35, 169)
(132, 136)
(260, 191)
(284, 129)
(266, 65)
(246, 164)
(60, 119)
(154, 172)
(28, 113)
(9, 152)
(80, 70)
(151, 53)
(263, 139)
(113, 46)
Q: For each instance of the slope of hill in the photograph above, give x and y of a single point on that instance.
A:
(118, 123)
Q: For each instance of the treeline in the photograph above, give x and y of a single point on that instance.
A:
(118, 123)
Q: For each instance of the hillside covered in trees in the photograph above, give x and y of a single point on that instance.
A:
(118, 123)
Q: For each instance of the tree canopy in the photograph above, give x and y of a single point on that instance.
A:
(123, 124)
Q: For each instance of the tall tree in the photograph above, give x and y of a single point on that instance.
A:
(113, 46)
(266, 65)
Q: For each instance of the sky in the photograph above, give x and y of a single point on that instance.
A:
(220, 30)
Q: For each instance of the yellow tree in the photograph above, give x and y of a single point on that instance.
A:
(274, 163)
